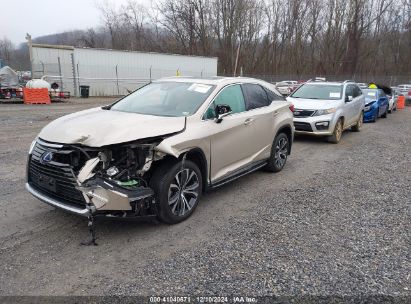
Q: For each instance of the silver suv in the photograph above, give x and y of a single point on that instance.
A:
(327, 108)
(153, 152)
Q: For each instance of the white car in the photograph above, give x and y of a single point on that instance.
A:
(327, 108)
(286, 87)
(392, 100)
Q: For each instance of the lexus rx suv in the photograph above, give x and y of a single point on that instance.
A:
(154, 152)
(327, 108)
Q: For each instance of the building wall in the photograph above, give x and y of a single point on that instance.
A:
(112, 72)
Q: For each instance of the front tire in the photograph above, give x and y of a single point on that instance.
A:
(279, 153)
(177, 189)
(385, 113)
(358, 125)
(337, 134)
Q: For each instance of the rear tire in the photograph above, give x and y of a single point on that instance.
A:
(177, 190)
(358, 125)
(279, 153)
(337, 134)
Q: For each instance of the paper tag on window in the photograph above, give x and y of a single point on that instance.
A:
(372, 94)
(200, 88)
(335, 95)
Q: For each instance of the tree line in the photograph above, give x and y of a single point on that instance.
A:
(339, 38)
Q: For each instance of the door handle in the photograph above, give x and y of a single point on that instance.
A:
(276, 113)
(248, 121)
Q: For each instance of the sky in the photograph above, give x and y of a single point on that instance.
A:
(43, 17)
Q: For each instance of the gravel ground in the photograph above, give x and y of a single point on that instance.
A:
(342, 231)
(335, 222)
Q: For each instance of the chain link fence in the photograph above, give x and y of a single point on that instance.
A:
(389, 80)
(104, 80)
(121, 80)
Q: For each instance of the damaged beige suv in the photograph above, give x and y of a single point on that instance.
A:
(154, 152)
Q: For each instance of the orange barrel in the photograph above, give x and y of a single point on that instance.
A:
(401, 102)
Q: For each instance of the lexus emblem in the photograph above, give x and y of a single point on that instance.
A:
(46, 157)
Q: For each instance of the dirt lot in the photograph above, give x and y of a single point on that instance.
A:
(335, 221)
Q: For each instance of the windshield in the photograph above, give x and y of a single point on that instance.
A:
(319, 91)
(165, 99)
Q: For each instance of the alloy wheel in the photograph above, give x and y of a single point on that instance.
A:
(183, 192)
(338, 130)
(281, 151)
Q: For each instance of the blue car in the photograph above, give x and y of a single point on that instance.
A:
(376, 104)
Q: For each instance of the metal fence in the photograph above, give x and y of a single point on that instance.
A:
(389, 80)
(121, 80)
(104, 81)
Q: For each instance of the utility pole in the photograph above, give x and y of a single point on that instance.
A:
(30, 45)
(236, 59)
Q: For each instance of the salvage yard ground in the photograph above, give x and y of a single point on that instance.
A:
(335, 221)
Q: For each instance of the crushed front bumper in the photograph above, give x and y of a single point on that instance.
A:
(55, 203)
(56, 184)
(371, 114)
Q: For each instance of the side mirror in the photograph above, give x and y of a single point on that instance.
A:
(222, 111)
(348, 98)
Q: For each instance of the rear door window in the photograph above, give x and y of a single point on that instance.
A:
(357, 91)
(255, 96)
(349, 91)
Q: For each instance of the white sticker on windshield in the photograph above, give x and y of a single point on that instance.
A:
(200, 88)
(372, 94)
(335, 94)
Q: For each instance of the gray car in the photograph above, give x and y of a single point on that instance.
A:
(327, 108)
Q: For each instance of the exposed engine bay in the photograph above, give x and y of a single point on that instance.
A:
(111, 181)
(116, 179)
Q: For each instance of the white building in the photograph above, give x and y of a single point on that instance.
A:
(112, 72)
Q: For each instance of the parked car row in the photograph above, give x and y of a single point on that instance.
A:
(286, 87)
(328, 108)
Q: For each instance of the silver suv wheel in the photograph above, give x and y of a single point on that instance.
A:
(183, 192)
(281, 151)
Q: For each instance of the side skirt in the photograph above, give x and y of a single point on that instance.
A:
(237, 174)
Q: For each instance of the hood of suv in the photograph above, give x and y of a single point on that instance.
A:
(312, 104)
(97, 127)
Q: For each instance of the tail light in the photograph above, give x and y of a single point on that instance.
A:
(291, 107)
(409, 93)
